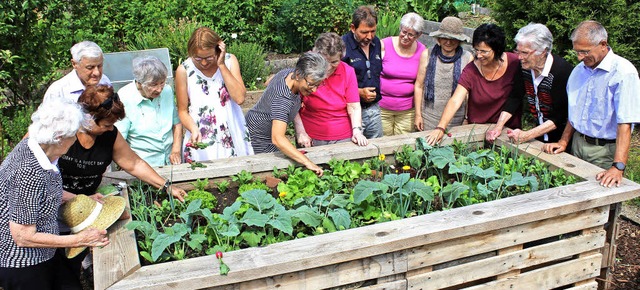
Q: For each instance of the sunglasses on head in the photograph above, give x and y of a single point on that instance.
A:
(108, 103)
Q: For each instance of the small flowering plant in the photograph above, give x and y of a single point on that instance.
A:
(224, 269)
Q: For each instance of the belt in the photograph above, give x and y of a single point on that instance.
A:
(596, 141)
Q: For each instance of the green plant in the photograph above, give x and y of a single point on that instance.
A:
(254, 185)
(388, 23)
(251, 57)
(14, 123)
(223, 186)
(243, 177)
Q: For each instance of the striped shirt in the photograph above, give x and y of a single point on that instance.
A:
(276, 103)
(30, 194)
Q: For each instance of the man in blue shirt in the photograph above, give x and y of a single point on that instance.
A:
(363, 54)
(603, 104)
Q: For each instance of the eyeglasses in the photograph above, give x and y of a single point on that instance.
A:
(208, 58)
(480, 51)
(108, 103)
(524, 54)
(159, 85)
(408, 34)
(584, 53)
(312, 86)
(368, 63)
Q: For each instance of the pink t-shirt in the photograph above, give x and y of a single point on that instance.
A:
(324, 112)
(398, 77)
(486, 98)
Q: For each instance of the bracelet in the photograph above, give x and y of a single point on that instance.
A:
(441, 129)
(359, 128)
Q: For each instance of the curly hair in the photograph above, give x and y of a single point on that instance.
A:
(102, 103)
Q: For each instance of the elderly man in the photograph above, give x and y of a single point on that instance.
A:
(544, 79)
(87, 61)
(603, 103)
(364, 55)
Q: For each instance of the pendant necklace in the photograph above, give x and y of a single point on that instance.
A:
(494, 74)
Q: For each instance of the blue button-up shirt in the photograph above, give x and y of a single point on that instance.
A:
(148, 124)
(602, 98)
(355, 57)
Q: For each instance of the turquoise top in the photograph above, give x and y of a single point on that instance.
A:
(148, 125)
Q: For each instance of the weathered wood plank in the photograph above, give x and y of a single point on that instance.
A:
(320, 155)
(119, 258)
(550, 277)
(382, 238)
(436, 253)
(395, 285)
(335, 275)
(507, 263)
(593, 285)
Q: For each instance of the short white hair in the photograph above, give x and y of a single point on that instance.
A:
(149, 69)
(537, 35)
(88, 49)
(412, 20)
(55, 120)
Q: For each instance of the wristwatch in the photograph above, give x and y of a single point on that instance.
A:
(619, 165)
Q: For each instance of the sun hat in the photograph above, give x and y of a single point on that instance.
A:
(82, 212)
(452, 28)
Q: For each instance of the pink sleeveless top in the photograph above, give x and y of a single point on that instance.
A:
(398, 77)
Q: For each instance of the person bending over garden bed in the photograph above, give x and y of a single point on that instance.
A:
(279, 104)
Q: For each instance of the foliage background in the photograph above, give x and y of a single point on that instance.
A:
(35, 35)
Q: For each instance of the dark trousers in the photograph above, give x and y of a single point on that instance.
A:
(39, 276)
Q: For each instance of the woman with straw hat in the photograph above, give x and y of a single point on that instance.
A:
(438, 75)
(30, 194)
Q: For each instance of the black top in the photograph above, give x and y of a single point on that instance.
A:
(355, 57)
(551, 98)
(82, 168)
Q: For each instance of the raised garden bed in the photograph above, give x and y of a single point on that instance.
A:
(484, 246)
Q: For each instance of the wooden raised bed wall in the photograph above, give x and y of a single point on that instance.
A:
(541, 240)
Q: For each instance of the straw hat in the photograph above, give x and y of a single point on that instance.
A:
(452, 28)
(82, 212)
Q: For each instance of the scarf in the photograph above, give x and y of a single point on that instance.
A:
(429, 80)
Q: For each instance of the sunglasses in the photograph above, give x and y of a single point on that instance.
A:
(108, 103)
(368, 63)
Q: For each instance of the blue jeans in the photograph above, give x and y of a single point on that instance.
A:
(372, 122)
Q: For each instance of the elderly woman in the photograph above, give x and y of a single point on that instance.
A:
(332, 113)
(96, 147)
(401, 57)
(30, 194)
(545, 77)
(488, 81)
(439, 73)
(151, 125)
(209, 92)
(279, 104)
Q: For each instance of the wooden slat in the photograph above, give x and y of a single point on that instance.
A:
(593, 285)
(549, 277)
(320, 155)
(335, 275)
(317, 251)
(507, 263)
(395, 285)
(471, 245)
(506, 251)
(119, 258)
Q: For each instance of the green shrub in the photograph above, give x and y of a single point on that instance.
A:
(388, 24)
(251, 57)
(254, 185)
(563, 16)
(14, 124)
(174, 37)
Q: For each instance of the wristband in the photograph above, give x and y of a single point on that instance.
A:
(441, 129)
(165, 187)
(359, 128)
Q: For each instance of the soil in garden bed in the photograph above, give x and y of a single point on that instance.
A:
(626, 270)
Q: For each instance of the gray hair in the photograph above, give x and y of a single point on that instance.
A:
(311, 64)
(592, 30)
(537, 36)
(88, 49)
(55, 120)
(149, 69)
(330, 44)
(412, 20)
